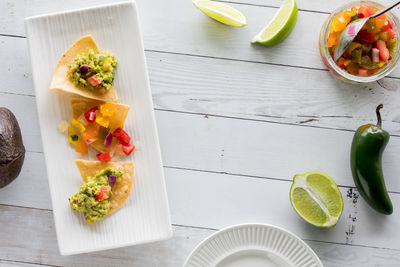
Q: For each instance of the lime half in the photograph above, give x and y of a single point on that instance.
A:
(316, 198)
(221, 12)
(280, 26)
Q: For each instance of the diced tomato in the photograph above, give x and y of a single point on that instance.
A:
(93, 80)
(366, 36)
(127, 149)
(81, 147)
(387, 25)
(103, 193)
(122, 136)
(384, 54)
(103, 157)
(90, 115)
(362, 72)
(341, 63)
(391, 32)
(91, 132)
(365, 11)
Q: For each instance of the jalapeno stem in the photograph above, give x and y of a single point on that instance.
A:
(378, 115)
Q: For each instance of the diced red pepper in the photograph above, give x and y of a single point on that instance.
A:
(365, 11)
(384, 54)
(387, 25)
(103, 193)
(122, 136)
(366, 36)
(341, 63)
(93, 80)
(128, 149)
(90, 115)
(103, 157)
(391, 32)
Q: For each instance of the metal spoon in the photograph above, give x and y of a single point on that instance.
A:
(351, 31)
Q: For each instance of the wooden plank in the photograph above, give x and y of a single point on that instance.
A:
(309, 5)
(183, 29)
(256, 91)
(236, 89)
(4, 263)
(240, 146)
(222, 200)
(23, 191)
(41, 248)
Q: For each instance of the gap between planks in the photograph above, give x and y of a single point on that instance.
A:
(192, 227)
(220, 58)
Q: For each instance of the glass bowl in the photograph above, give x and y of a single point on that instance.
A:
(342, 74)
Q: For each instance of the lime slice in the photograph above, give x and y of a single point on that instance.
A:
(316, 198)
(221, 12)
(280, 26)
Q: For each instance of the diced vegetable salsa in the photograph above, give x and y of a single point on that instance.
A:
(373, 47)
(93, 125)
(93, 71)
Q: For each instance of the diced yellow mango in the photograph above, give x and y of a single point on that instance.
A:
(102, 121)
(72, 136)
(78, 125)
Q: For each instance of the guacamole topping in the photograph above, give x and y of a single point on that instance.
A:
(93, 71)
(93, 196)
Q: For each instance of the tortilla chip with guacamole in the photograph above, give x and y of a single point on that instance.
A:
(97, 122)
(85, 71)
(105, 187)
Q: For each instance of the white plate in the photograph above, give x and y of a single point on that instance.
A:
(253, 245)
(145, 215)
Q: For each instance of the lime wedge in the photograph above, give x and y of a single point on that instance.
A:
(221, 12)
(280, 26)
(316, 198)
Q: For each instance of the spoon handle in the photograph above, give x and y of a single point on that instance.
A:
(384, 11)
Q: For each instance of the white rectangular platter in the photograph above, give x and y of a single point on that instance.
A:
(145, 215)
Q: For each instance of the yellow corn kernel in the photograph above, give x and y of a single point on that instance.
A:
(381, 64)
(78, 125)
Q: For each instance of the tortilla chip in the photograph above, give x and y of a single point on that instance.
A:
(82, 105)
(60, 81)
(121, 189)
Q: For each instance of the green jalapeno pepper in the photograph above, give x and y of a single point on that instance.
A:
(367, 148)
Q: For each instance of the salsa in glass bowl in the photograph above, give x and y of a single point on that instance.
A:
(374, 52)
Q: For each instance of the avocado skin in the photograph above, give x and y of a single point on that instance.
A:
(12, 150)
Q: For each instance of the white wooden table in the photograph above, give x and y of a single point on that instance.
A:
(236, 122)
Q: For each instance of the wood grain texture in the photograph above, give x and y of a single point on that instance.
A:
(42, 249)
(236, 89)
(4, 263)
(184, 29)
(244, 147)
(199, 85)
(223, 199)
